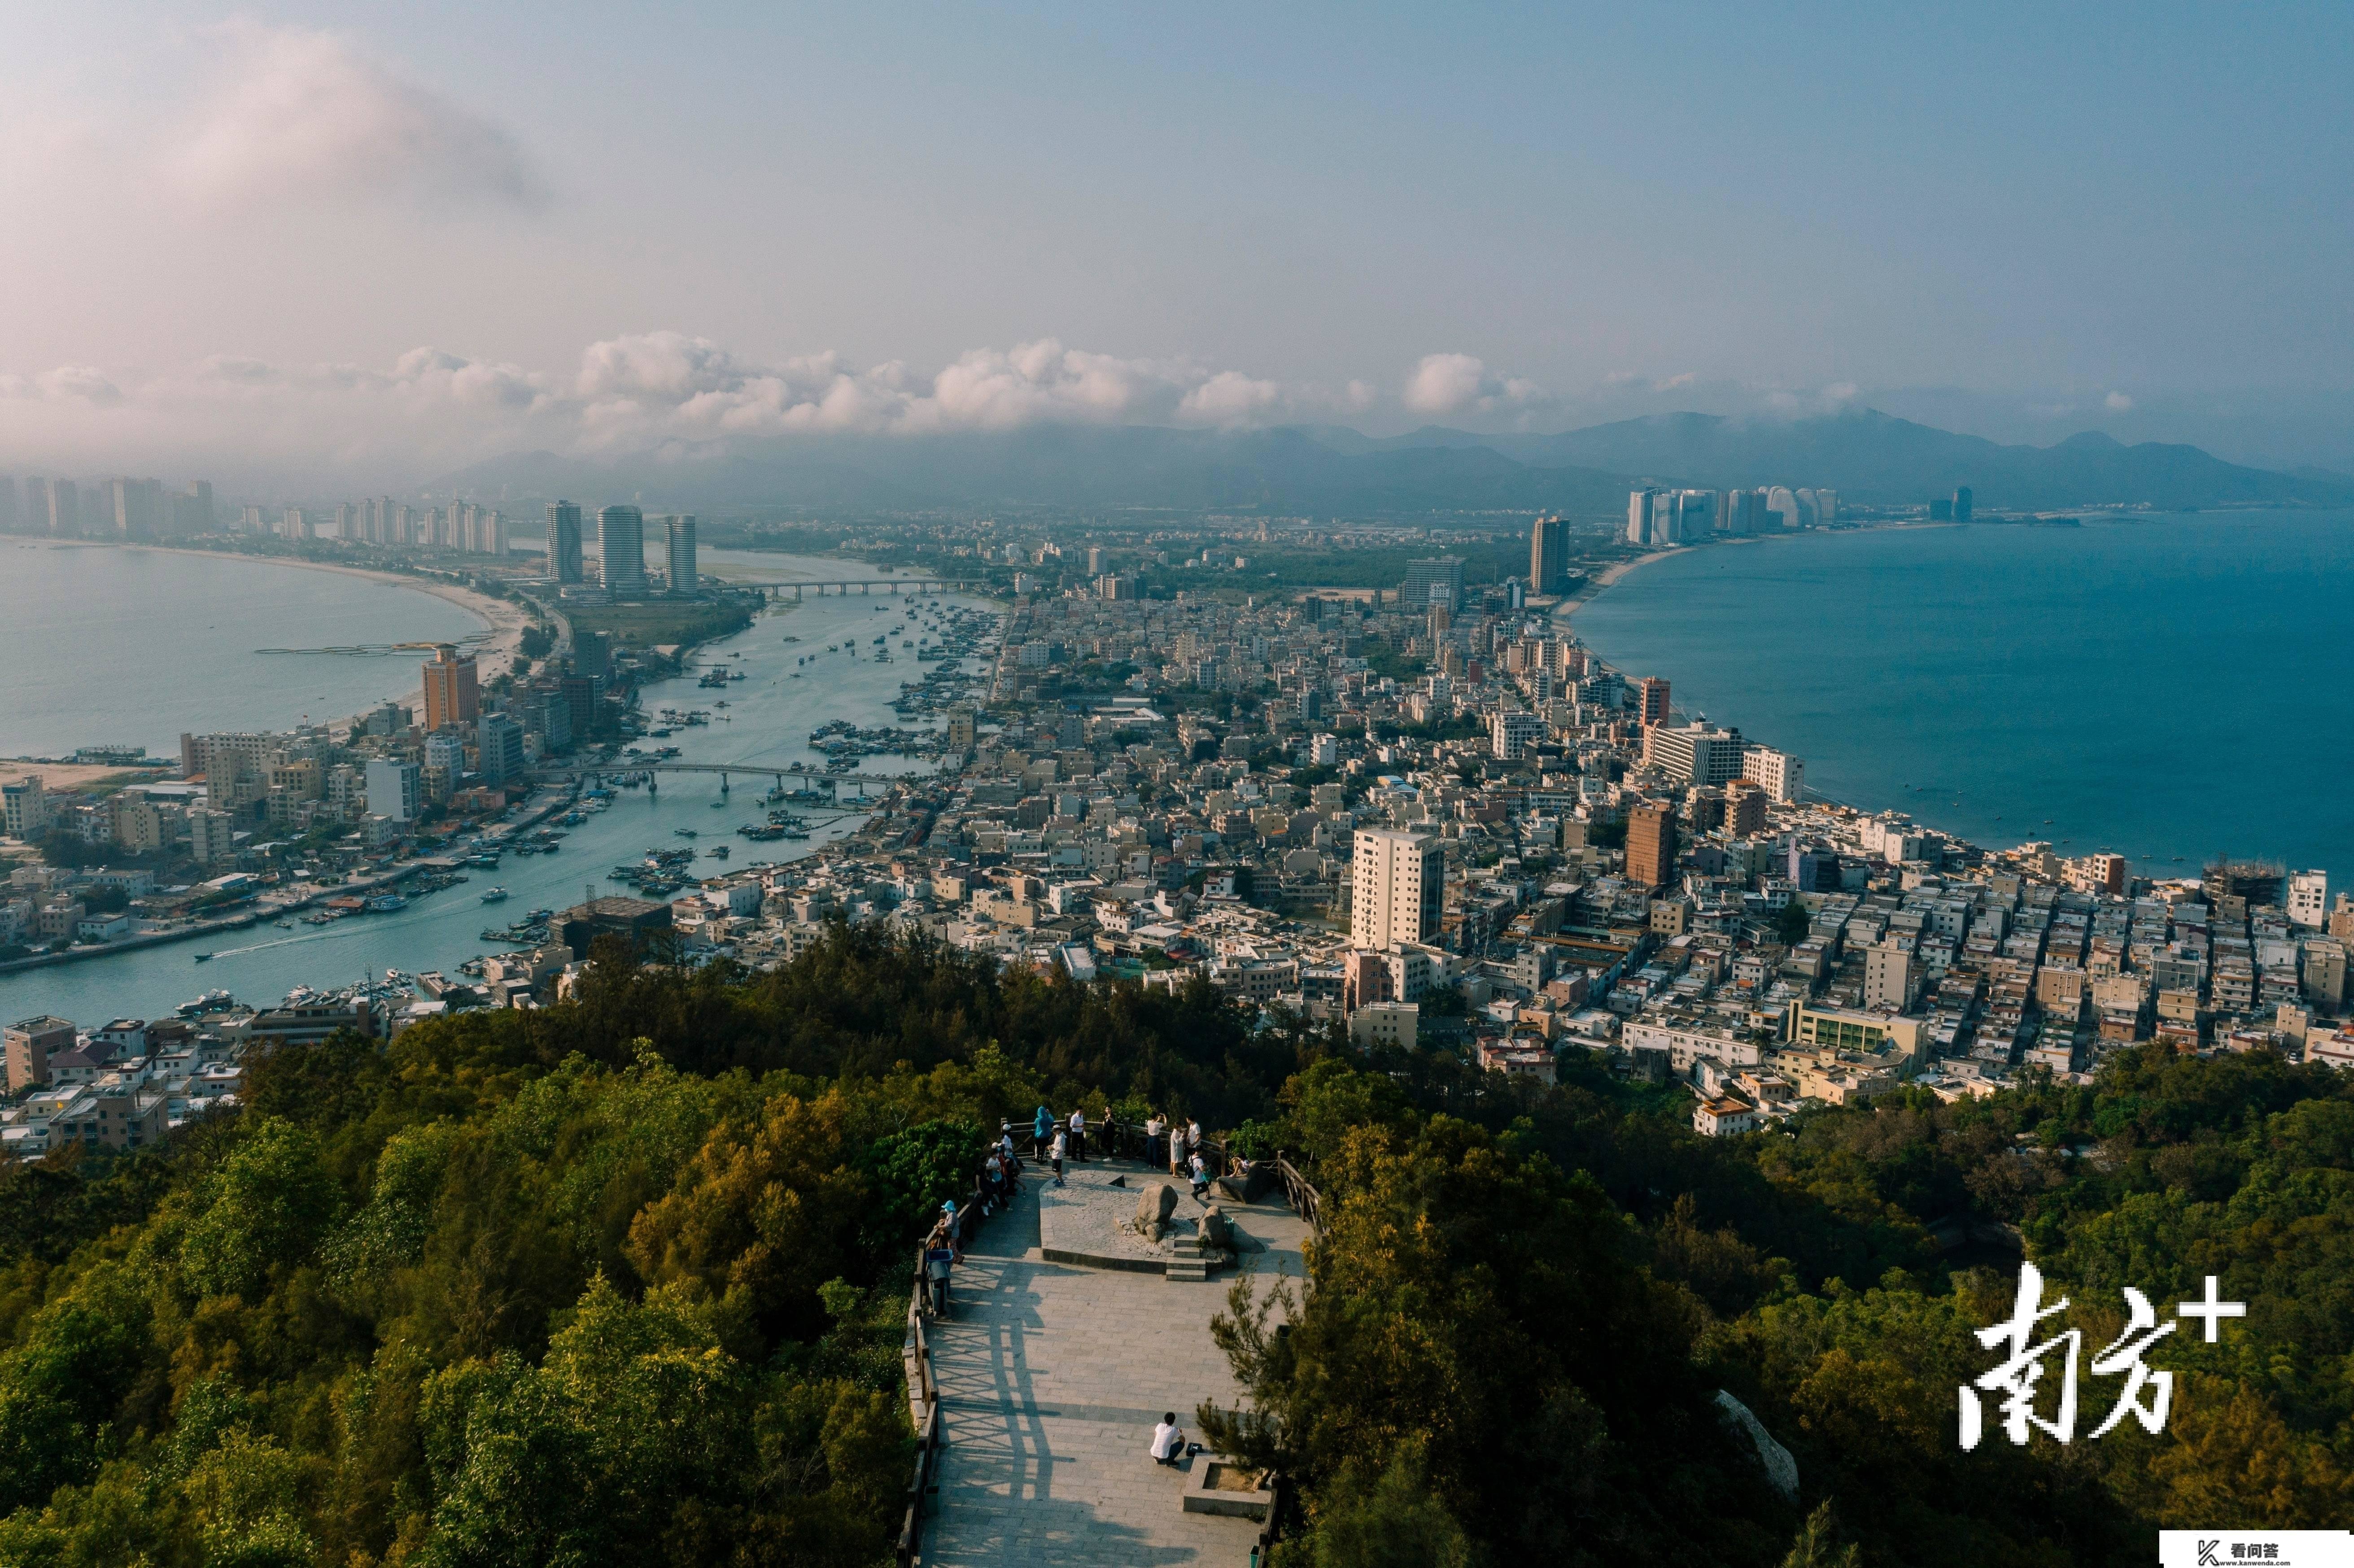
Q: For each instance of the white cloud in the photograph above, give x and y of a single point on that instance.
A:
(2117, 402)
(301, 115)
(1459, 384)
(432, 409)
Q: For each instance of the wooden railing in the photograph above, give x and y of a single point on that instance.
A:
(1301, 1194)
(924, 1388)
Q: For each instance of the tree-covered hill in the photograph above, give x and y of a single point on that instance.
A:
(620, 1281)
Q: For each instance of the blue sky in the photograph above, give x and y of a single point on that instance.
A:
(2029, 221)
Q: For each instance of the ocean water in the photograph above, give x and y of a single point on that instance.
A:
(112, 645)
(2169, 688)
(792, 686)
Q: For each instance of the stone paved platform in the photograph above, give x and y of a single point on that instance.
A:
(1052, 1377)
(1081, 1220)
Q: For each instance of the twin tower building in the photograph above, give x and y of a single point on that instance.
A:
(621, 546)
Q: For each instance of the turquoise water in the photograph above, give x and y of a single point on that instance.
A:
(770, 715)
(2168, 688)
(113, 645)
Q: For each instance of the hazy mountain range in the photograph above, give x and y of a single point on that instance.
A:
(1868, 456)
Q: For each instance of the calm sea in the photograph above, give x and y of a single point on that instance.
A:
(2169, 688)
(112, 645)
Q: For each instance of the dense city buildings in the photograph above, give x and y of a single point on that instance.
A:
(1425, 811)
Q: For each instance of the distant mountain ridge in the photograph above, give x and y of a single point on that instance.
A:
(1868, 456)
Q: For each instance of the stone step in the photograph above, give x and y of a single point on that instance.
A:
(1193, 1270)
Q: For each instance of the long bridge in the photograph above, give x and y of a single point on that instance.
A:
(868, 584)
(802, 775)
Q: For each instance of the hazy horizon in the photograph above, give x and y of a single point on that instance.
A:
(363, 244)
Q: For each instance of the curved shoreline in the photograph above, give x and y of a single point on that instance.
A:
(504, 618)
(1595, 587)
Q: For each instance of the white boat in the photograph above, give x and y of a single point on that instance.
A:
(495, 895)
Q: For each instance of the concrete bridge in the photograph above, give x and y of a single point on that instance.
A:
(868, 584)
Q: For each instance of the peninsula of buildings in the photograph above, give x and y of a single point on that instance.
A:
(1420, 809)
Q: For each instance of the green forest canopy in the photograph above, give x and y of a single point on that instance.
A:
(622, 1279)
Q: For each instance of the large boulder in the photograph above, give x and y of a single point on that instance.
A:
(1216, 1232)
(1154, 1205)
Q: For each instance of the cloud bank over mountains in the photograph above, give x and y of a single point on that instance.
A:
(656, 391)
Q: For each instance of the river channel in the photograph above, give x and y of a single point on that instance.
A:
(768, 719)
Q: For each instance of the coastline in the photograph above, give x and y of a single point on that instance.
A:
(1594, 587)
(505, 618)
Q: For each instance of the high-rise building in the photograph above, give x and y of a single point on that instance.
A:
(452, 695)
(564, 541)
(7, 504)
(135, 504)
(622, 539)
(1744, 807)
(2308, 898)
(65, 509)
(212, 836)
(1887, 978)
(1549, 555)
(1397, 890)
(1509, 735)
(395, 789)
(1650, 846)
(1783, 776)
(1651, 700)
(1638, 516)
(24, 807)
(1963, 500)
(1437, 583)
(192, 509)
(36, 505)
(682, 578)
(500, 749)
(1700, 755)
(1095, 560)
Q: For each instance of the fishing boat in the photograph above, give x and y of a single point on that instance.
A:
(204, 958)
(495, 895)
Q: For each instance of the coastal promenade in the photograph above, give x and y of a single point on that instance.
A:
(1052, 1377)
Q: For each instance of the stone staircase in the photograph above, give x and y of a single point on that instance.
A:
(1189, 1261)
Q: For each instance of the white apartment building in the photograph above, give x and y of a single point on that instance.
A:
(1510, 734)
(1783, 776)
(1397, 889)
(395, 789)
(1695, 754)
(2308, 898)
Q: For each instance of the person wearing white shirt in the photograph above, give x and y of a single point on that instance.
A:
(1168, 1440)
(1078, 1135)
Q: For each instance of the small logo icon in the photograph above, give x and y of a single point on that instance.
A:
(2207, 1558)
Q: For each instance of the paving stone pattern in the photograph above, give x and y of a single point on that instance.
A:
(1052, 1377)
(1087, 1215)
